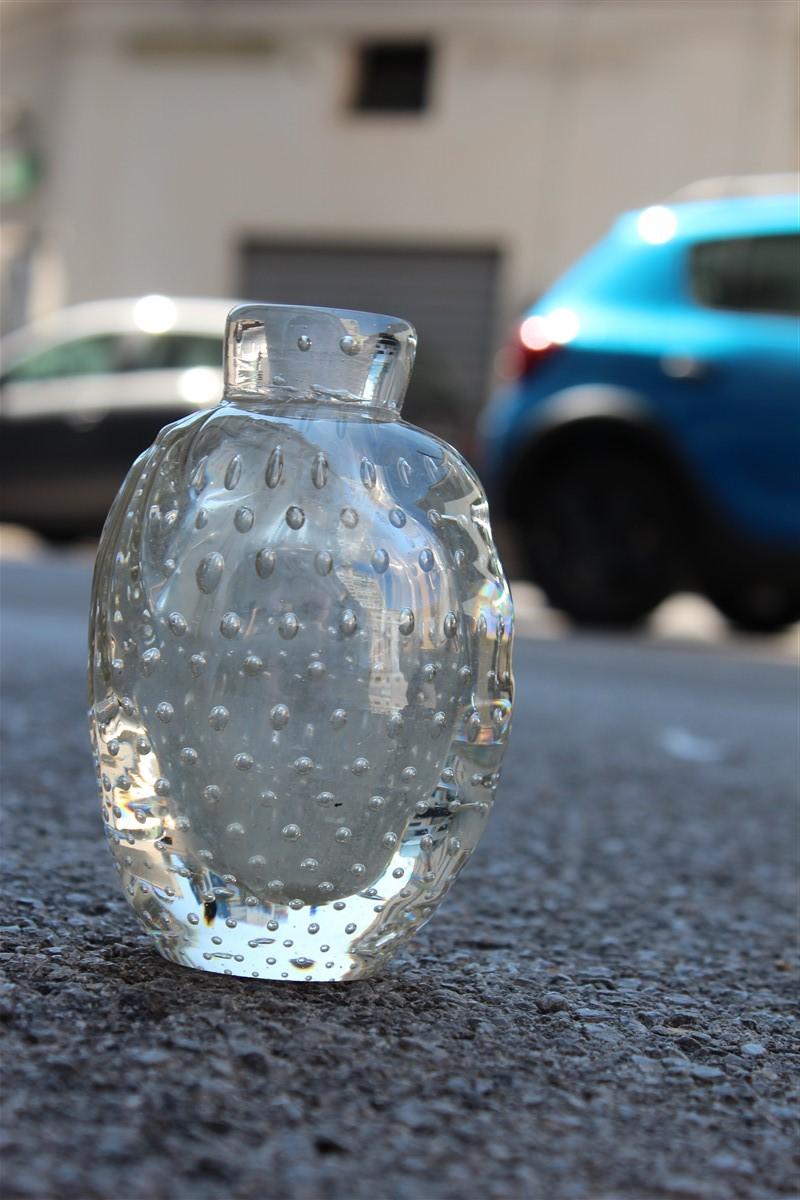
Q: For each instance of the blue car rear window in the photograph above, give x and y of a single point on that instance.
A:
(749, 274)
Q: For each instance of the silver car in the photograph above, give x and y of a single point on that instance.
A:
(83, 391)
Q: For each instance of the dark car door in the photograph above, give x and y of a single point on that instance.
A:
(76, 415)
(52, 408)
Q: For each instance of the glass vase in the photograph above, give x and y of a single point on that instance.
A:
(300, 668)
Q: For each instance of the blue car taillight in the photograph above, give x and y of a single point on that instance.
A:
(535, 340)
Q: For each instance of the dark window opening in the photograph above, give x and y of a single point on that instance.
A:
(753, 274)
(393, 77)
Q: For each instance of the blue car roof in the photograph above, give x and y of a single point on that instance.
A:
(625, 266)
(739, 216)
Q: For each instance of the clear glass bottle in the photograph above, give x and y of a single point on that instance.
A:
(300, 667)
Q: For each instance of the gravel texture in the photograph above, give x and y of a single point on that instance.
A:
(602, 1009)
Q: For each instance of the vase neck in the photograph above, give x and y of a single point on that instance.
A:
(280, 353)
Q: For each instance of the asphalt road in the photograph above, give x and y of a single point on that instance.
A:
(602, 1009)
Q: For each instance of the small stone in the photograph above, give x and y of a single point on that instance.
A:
(551, 1002)
(414, 1114)
(152, 1057)
(705, 1073)
(753, 1049)
(593, 1014)
(730, 1163)
(649, 1017)
(252, 1058)
(645, 1063)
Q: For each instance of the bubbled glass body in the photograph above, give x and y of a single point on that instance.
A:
(300, 667)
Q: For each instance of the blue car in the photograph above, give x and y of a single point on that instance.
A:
(646, 435)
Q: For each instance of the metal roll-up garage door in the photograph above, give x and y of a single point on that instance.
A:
(448, 294)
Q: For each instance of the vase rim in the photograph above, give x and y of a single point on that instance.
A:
(284, 352)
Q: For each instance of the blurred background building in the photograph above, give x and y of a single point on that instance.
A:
(443, 159)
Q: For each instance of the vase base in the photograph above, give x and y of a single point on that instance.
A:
(299, 968)
(311, 943)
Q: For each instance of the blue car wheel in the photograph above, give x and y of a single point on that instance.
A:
(598, 531)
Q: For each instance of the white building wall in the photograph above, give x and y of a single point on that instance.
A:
(547, 118)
